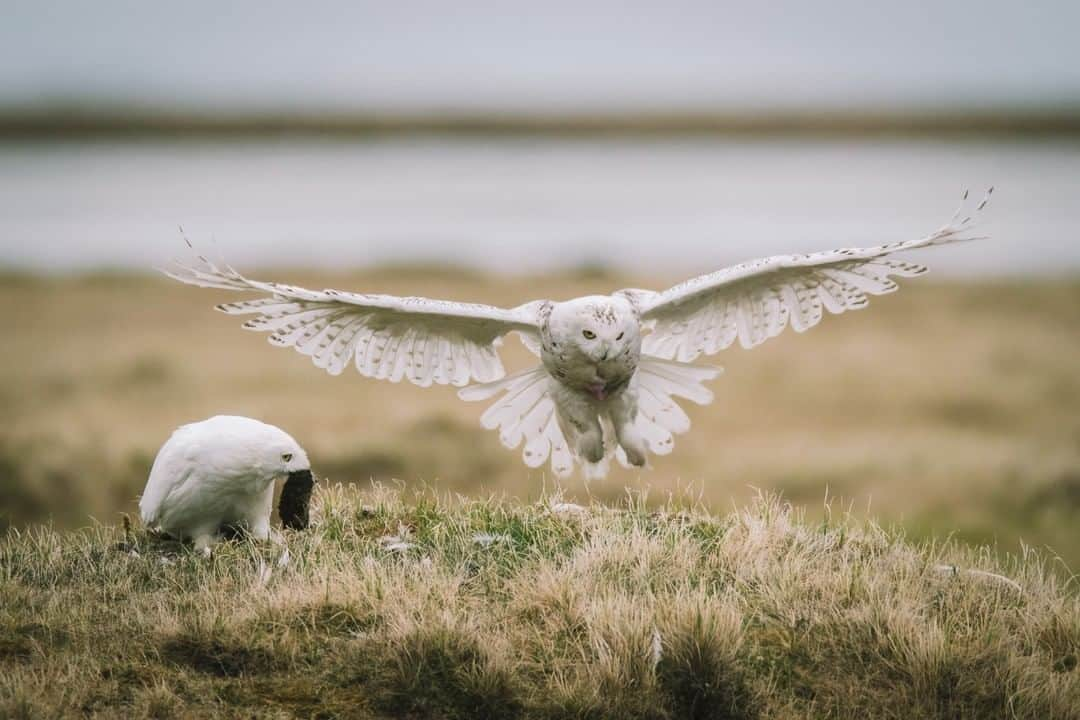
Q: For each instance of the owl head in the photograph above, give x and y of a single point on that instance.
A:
(596, 327)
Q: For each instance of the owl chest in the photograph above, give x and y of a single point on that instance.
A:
(572, 368)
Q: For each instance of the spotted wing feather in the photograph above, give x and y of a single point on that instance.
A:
(757, 300)
(385, 337)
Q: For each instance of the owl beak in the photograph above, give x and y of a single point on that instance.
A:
(295, 498)
(598, 390)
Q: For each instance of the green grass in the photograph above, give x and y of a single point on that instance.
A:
(499, 609)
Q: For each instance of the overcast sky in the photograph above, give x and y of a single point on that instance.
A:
(556, 55)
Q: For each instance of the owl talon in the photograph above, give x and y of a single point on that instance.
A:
(591, 449)
(635, 456)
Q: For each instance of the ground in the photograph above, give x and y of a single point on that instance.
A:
(421, 607)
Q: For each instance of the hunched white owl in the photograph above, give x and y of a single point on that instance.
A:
(610, 366)
(220, 473)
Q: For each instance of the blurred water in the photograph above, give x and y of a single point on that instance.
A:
(523, 205)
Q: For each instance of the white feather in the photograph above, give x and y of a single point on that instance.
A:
(753, 301)
(312, 322)
(218, 472)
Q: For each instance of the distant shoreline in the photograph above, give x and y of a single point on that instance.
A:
(75, 123)
(13, 274)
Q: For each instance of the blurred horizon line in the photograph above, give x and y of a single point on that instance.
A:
(73, 121)
(432, 269)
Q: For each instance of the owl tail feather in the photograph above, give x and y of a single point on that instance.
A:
(526, 413)
(658, 382)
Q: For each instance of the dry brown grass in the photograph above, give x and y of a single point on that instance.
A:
(948, 407)
(617, 612)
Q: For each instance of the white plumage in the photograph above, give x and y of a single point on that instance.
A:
(216, 473)
(611, 366)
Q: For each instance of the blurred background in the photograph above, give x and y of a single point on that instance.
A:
(500, 152)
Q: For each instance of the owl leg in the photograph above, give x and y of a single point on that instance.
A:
(623, 417)
(590, 443)
(203, 540)
(258, 522)
(582, 427)
(259, 527)
(258, 518)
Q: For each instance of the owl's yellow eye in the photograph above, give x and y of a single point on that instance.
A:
(589, 334)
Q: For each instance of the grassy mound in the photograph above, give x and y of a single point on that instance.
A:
(490, 609)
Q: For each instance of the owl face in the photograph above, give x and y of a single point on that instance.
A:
(283, 458)
(595, 330)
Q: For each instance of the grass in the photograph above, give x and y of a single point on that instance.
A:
(501, 609)
(948, 408)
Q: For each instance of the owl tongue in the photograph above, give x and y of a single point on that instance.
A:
(598, 390)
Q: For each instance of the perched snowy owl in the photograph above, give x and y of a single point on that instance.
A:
(220, 472)
(610, 366)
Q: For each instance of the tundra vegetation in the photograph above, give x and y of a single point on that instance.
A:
(412, 605)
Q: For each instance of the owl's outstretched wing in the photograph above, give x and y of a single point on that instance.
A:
(755, 301)
(387, 337)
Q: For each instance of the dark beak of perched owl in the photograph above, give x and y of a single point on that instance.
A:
(295, 498)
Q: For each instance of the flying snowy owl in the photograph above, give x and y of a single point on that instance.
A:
(220, 472)
(610, 366)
